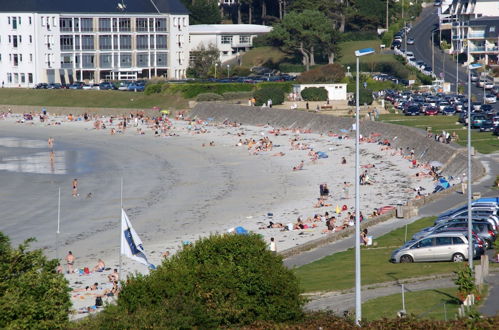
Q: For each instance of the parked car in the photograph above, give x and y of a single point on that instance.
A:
(123, 86)
(431, 111)
(410, 41)
(137, 86)
(482, 228)
(76, 85)
(41, 86)
(490, 99)
(412, 110)
(436, 247)
(487, 126)
(488, 85)
(449, 111)
(477, 120)
(496, 131)
(106, 86)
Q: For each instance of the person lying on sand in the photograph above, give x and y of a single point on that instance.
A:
(279, 154)
(272, 225)
(100, 266)
(92, 287)
(114, 276)
(321, 203)
(299, 167)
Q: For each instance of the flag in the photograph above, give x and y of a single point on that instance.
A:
(131, 245)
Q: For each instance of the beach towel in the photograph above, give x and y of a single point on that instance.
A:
(241, 231)
(322, 154)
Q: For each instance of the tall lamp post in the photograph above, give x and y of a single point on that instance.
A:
(472, 66)
(358, 302)
(228, 70)
(216, 64)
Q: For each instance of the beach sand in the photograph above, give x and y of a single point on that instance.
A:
(175, 189)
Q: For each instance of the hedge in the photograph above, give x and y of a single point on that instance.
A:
(237, 95)
(194, 89)
(203, 97)
(314, 94)
(274, 93)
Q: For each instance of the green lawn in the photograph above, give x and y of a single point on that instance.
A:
(336, 272)
(90, 98)
(349, 47)
(483, 142)
(262, 55)
(425, 304)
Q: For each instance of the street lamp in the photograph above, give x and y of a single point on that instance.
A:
(216, 64)
(348, 69)
(228, 70)
(358, 303)
(472, 66)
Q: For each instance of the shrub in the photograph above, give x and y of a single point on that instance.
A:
(237, 95)
(203, 97)
(314, 94)
(153, 89)
(240, 71)
(194, 89)
(261, 41)
(326, 73)
(220, 281)
(273, 93)
(32, 294)
(291, 67)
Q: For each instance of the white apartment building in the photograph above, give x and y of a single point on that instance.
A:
(229, 39)
(62, 41)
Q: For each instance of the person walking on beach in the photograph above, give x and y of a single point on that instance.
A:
(70, 259)
(272, 246)
(75, 188)
(51, 142)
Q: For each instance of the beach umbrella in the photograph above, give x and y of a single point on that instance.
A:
(435, 163)
(166, 112)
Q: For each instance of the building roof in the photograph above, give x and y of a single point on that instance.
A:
(228, 28)
(94, 6)
(490, 23)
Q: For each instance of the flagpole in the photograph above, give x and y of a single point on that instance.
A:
(58, 226)
(121, 233)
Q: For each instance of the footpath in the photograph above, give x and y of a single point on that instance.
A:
(337, 301)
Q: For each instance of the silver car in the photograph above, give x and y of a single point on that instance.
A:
(435, 247)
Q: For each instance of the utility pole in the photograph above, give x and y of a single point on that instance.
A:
(433, 52)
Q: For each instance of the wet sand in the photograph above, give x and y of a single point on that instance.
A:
(175, 189)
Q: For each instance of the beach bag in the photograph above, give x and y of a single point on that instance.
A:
(86, 270)
(98, 301)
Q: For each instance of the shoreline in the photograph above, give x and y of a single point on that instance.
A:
(206, 190)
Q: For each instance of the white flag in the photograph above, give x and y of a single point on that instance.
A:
(131, 245)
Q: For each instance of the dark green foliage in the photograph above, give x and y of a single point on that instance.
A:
(240, 71)
(32, 294)
(202, 11)
(220, 281)
(261, 41)
(291, 67)
(365, 95)
(209, 97)
(330, 73)
(203, 60)
(153, 89)
(314, 94)
(273, 93)
(194, 89)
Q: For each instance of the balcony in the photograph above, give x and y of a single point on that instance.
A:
(477, 49)
(476, 35)
(492, 49)
(66, 65)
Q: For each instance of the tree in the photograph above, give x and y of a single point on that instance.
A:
(219, 282)
(32, 294)
(203, 11)
(203, 60)
(331, 73)
(305, 32)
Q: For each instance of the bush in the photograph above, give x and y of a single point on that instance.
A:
(237, 95)
(240, 71)
(314, 94)
(194, 89)
(203, 97)
(32, 294)
(261, 41)
(153, 89)
(330, 73)
(220, 281)
(273, 93)
(291, 67)
(365, 95)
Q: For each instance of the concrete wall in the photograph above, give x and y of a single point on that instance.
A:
(426, 149)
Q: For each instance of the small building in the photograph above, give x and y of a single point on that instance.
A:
(335, 92)
(229, 39)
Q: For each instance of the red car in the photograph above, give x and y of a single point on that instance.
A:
(431, 111)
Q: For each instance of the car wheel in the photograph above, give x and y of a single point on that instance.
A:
(406, 259)
(458, 257)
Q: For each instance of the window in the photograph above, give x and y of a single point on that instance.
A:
(141, 24)
(106, 61)
(226, 40)
(31, 58)
(244, 39)
(76, 23)
(66, 42)
(87, 25)
(30, 78)
(9, 77)
(142, 42)
(161, 41)
(105, 43)
(142, 60)
(30, 39)
(161, 59)
(87, 42)
(77, 43)
(125, 42)
(115, 24)
(427, 242)
(23, 78)
(16, 78)
(66, 61)
(126, 60)
(151, 24)
(14, 23)
(29, 20)
(124, 24)
(161, 24)
(443, 241)
(15, 60)
(115, 43)
(104, 24)
(66, 24)
(151, 41)
(87, 61)
(14, 41)
(8, 20)
(457, 240)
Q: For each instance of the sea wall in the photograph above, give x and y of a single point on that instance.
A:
(452, 156)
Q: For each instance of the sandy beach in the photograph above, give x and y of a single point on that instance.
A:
(177, 188)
